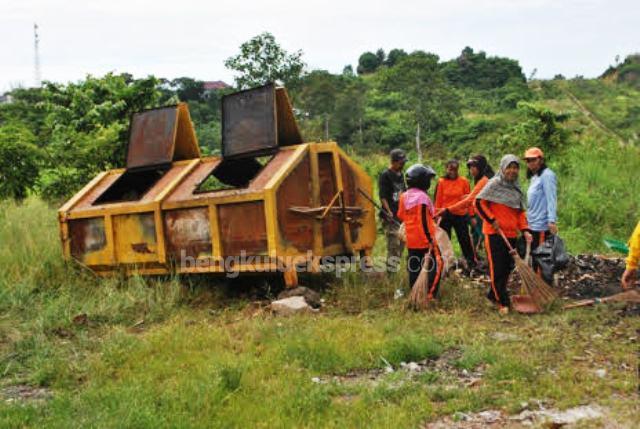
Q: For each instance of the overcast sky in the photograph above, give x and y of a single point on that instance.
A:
(193, 38)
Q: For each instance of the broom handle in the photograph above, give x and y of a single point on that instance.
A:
(506, 241)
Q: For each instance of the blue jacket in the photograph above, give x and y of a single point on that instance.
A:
(542, 200)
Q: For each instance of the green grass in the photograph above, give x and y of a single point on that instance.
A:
(172, 352)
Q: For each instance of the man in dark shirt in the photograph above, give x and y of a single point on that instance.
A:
(390, 185)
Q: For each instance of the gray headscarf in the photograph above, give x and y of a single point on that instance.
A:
(499, 190)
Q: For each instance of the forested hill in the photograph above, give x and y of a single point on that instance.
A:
(55, 138)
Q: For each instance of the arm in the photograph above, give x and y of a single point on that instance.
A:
(632, 259)
(424, 210)
(484, 211)
(523, 226)
(401, 212)
(469, 200)
(437, 195)
(384, 193)
(550, 188)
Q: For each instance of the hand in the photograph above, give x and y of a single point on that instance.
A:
(439, 212)
(495, 225)
(553, 228)
(528, 237)
(627, 278)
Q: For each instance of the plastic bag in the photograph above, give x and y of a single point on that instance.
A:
(551, 256)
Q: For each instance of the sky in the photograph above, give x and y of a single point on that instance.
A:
(193, 38)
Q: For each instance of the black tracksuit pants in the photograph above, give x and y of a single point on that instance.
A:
(414, 265)
(501, 264)
(461, 226)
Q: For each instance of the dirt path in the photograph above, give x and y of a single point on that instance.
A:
(593, 118)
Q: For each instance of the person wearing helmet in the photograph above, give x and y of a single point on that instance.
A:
(390, 186)
(450, 190)
(502, 208)
(541, 198)
(416, 211)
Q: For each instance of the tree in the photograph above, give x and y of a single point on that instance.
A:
(426, 93)
(188, 89)
(261, 60)
(394, 56)
(19, 161)
(368, 63)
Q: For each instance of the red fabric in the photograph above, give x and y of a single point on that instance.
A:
(416, 235)
(509, 219)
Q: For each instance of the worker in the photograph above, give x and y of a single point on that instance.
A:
(481, 172)
(501, 206)
(542, 201)
(416, 211)
(450, 190)
(629, 276)
(390, 185)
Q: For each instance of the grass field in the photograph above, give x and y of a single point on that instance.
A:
(190, 352)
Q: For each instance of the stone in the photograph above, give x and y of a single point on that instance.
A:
(291, 305)
(310, 296)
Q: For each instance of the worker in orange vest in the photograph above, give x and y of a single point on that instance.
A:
(450, 190)
(416, 211)
(502, 208)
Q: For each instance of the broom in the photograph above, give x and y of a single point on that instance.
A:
(632, 295)
(541, 293)
(420, 289)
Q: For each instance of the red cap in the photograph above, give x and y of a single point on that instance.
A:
(533, 152)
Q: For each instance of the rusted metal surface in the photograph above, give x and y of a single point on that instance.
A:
(135, 237)
(249, 122)
(331, 226)
(187, 233)
(243, 228)
(295, 190)
(87, 235)
(151, 137)
(160, 136)
(350, 194)
(288, 131)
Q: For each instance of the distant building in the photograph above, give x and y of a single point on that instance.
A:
(212, 86)
(6, 98)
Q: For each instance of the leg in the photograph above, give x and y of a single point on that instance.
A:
(446, 224)
(436, 265)
(500, 263)
(461, 225)
(415, 258)
(395, 246)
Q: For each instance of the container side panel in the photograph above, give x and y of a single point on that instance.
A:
(135, 238)
(187, 233)
(89, 241)
(350, 185)
(295, 190)
(331, 227)
(243, 228)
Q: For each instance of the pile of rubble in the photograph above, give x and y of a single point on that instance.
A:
(590, 276)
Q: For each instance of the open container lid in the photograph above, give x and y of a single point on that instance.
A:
(257, 121)
(160, 136)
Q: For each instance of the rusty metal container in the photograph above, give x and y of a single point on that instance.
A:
(271, 203)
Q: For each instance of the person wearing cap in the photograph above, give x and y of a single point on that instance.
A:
(542, 200)
(481, 172)
(391, 184)
(631, 270)
(502, 208)
(450, 190)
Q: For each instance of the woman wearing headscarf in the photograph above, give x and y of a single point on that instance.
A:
(501, 206)
(481, 172)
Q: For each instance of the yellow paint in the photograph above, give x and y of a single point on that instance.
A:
(135, 232)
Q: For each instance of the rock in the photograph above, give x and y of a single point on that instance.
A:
(291, 305)
(316, 379)
(310, 296)
(412, 366)
(489, 416)
(601, 373)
